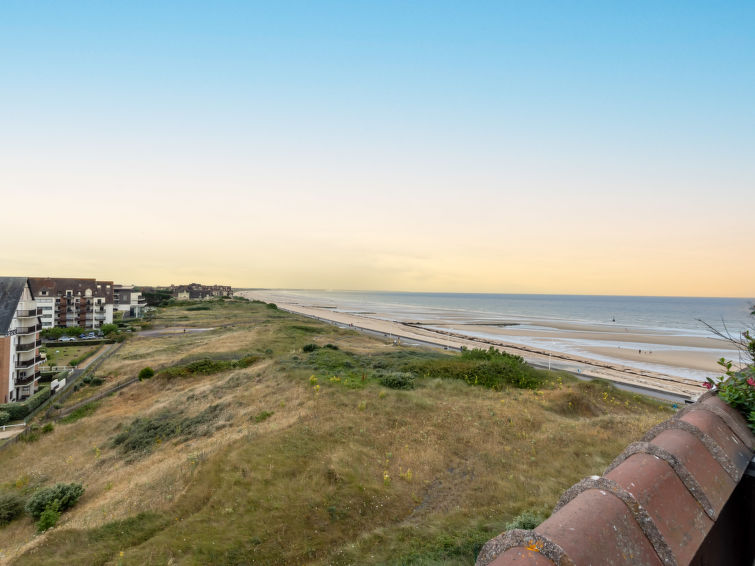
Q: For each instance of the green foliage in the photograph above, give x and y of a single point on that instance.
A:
(108, 328)
(57, 332)
(38, 398)
(96, 381)
(263, 416)
(331, 346)
(737, 389)
(144, 433)
(11, 506)
(64, 494)
(4, 417)
(47, 428)
(310, 348)
(527, 520)
(146, 373)
(80, 413)
(397, 380)
(247, 361)
(157, 298)
(199, 308)
(487, 368)
(49, 517)
(272, 306)
(207, 366)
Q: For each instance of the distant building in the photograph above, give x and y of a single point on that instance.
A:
(129, 301)
(73, 302)
(198, 292)
(19, 340)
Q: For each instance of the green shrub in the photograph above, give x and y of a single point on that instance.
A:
(48, 428)
(397, 380)
(17, 411)
(11, 506)
(204, 366)
(87, 379)
(66, 496)
(247, 361)
(96, 381)
(146, 373)
(108, 328)
(487, 368)
(310, 347)
(199, 308)
(331, 346)
(4, 417)
(38, 398)
(272, 306)
(31, 434)
(146, 432)
(263, 416)
(49, 517)
(527, 520)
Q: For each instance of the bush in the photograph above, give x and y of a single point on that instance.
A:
(247, 361)
(331, 346)
(488, 368)
(4, 417)
(272, 306)
(66, 496)
(96, 381)
(205, 366)
(11, 506)
(310, 347)
(48, 428)
(527, 520)
(146, 373)
(144, 433)
(17, 411)
(49, 517)
(198, 308)
(108, 328)
(38, 398)
(397, 380)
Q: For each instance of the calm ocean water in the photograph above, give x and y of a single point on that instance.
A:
(674, 315)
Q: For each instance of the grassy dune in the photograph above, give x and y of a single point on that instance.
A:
(304, 457)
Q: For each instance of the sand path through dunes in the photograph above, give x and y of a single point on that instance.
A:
(654, 381)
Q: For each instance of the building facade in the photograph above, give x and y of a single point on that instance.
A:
(73, 302)
(128, 300)
(19, 340)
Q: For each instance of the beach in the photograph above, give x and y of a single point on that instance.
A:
(608, 351)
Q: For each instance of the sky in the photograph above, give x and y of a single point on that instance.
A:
(506, 147)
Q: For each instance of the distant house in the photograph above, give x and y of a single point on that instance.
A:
(199, 292)
(19, 340)
(128, 300)
(73, 302)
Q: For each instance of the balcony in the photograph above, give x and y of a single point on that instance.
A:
(28, 378)
(26, 347)
(28, 313)
(29, 329)
(25, 363)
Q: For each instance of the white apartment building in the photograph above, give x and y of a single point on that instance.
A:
(73, 302)
(19, 340)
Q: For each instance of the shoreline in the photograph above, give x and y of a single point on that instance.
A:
(580, 365)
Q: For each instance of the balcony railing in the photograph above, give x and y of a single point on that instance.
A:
(26, 347)
(27, 379)
(25, 363)
(28, 313)
(29, 329)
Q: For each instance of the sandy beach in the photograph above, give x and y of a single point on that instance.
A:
(495, 333)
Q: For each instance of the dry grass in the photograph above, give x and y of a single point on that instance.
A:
(339, 475)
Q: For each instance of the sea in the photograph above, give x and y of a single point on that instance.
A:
(672, 316)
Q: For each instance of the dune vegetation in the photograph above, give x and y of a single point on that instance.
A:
(268, 438)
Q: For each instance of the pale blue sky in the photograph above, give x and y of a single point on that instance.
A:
(617, 136)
